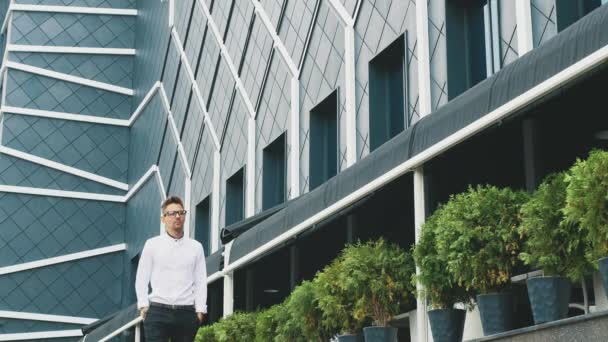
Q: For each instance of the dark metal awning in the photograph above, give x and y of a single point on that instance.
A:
(571, 54)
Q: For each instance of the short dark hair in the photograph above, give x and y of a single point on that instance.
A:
(171, 200)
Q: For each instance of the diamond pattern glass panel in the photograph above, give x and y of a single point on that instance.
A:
(63, 29)
(100, 149)
(38, 92)
(37, 227)
(84, 288)
(117, 70)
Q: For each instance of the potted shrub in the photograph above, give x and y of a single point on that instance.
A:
(480, 242)
(302, 316)
(206, 334)
(554, 245)
(267, 323)
(379, 275)
(438, 286)
(336, 304)
(240, 326)
(587, 205)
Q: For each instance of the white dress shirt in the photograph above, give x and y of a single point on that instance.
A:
(176, 270)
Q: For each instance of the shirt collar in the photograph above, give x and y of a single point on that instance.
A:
(171, 238)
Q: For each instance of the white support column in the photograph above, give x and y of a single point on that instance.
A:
(425, 104)
(215, 203)
(228, 285)
(351, 101)
(523, 17)
(419, 217)
(294, 139)
(188, 205)
(424, 61)
(250, 169)
(138, 333)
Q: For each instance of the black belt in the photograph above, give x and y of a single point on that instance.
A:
(173, 307)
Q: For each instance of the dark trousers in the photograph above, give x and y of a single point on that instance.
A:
(162, 324)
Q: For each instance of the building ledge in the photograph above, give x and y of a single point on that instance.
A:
(590, 328)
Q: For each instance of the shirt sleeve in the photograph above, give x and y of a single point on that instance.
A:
(142, 279)
(200, 282)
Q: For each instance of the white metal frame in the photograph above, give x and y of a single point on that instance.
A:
(73, 9)
(69, 78)
(46, 318)
(62, 167)
(65, 116)
(132, 323)
(63, 258)
(197, 93)
(40, 335)
(523, 18)
(350, 132)
(227, 58)
(70, 50)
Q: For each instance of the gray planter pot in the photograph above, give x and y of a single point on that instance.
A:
(603, 263)
(380, 334)
(496, 312)
(447, 325)
(351, 338)
(549, 297)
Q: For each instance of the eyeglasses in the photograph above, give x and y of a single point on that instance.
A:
(175, 213)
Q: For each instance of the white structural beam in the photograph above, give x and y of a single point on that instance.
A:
(73, 9)
(70, 50)
(419, 218)
(350, 97)
(278, 43)
(294, 139)
(228, 284)
(342, 12)
(424, 61)
(144, 103)
(350, 131)
(40, 335)
(213, 277)
(63, 168)
(60, 193)
(61, 259)
(65, 116)
(175, 133)
(197, 92)
(309, 36)
(132, 323)
(553, 83)
(250, 171)
(142, 180)
(29, 316)
(215, 202)
(224, 52)
(523, 18)
(70, 78)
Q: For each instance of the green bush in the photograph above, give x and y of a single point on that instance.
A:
(479, 238)
(206, 334)
(379, 275)
(552, 243)
(335, 302)
(439, 286)
(303, 316)
(267, 323)
(587, 201)
(237, 327)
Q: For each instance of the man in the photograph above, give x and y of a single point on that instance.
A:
(174, 265)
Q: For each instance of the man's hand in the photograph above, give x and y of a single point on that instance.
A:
(200, 317)
(143, 312)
